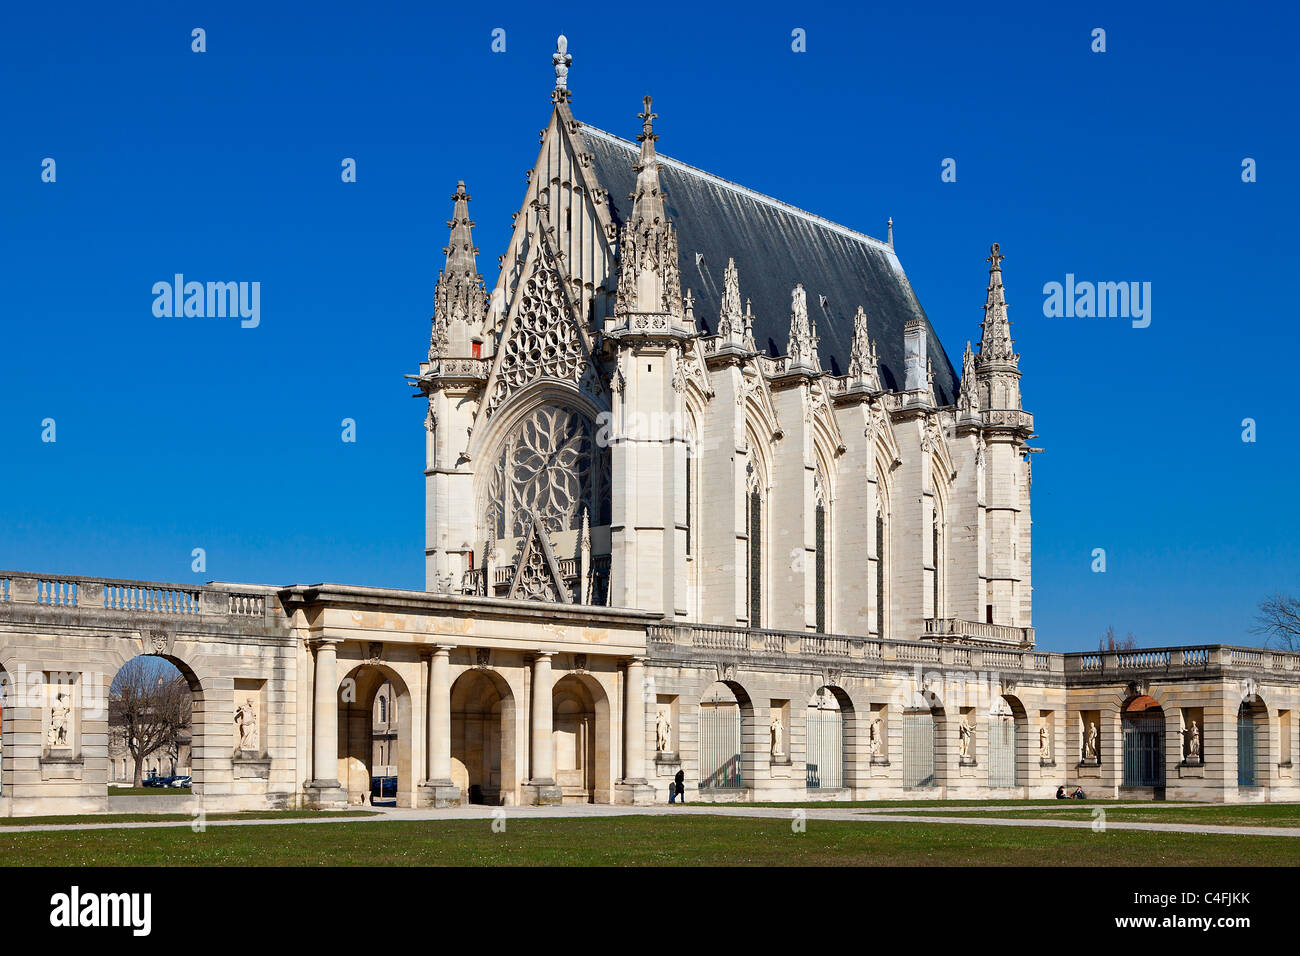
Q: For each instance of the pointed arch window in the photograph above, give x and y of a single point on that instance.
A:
(820, 561)
(755, 550)
(881, 576)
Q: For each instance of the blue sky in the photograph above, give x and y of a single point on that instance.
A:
(174, 433)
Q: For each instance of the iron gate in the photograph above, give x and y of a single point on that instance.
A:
(1002, 751)
(825, 762)
(1144, 750)
(918, 749)
(720, 748)
(1245, 750)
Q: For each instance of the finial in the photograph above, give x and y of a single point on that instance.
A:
(561, 59)
(891, 232)
(690, 309)
(647, 122)
(996, 258)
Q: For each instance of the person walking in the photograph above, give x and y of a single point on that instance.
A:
(678, 787)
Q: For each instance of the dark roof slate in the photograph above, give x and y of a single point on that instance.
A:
(776, 245)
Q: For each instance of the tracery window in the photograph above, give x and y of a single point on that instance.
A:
(819, 492)
(549, 464)
(755, 549)
(881, 558)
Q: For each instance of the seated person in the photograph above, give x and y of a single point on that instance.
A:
(1079, 794)
(1060, 793)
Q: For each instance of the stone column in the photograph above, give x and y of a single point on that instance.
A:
(438, 790)
(541, 787)
(325, 789)
(634, 787)
(634, 721)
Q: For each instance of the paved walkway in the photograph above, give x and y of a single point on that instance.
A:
(864, 815)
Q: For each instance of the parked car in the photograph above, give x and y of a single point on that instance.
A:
(383, 789)
(153, 780)
(179, 782)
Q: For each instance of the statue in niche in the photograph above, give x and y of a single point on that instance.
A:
(873, 737)
(1044, 743)
(965, 734)
(1090, 742)
(246, 718)
(776, 727)
(1193, 735)
(663, 731)
(60, 720)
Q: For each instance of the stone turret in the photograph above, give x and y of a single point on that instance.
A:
(802, 347)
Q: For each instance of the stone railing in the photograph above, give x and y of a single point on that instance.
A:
(1163, 660)
(472, 581)
(955, 629)
(1014, 417)
(759, 642)
(131, 597)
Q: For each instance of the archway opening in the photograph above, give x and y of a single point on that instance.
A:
(826, 724)
(580, 731)
(483, 738)
(723, 708)
(1251, 717)
(920, 745)
(1006, 719)
(155, 707)
(374, 743)
(1142, 723)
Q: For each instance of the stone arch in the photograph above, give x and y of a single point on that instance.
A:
(202, 752)
(358, 689)
(583, 741)
(1142, 721)
(483, 746)
(728, 737)
(1024, 744)
(1253, 741)
(830, 729)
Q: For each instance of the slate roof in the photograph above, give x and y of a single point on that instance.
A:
(776, 245)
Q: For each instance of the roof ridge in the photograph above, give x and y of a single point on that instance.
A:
(745, 190)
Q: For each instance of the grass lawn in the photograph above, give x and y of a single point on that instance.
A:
(1216, 814)
(179, 817)
(901, 805)
(637, 841)
(149, 791)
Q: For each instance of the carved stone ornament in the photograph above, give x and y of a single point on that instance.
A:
(159, 642)
(482, 656)
(580, 663)
(374, 652)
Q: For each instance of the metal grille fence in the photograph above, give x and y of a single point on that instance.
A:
(918, 749)
(1144, 750)
(825, 761)
(1002, 751)
(720, 767)
(1245, 750)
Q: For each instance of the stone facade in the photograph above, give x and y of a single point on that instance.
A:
(658, 540)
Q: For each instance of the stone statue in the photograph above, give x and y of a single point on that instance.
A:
(246, 717)
(775, 728)
(873, 737)
(965, 733)
(1193, 735)
(663, 728)
(1044, 743)
(1090, 742)
(60, 718)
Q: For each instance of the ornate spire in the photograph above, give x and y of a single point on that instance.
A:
(731, 322)
(561, 59)
(864, 362)
(802, 347)
(968, 402)
(749, 328)
(995, 341)
(891, 232)
(649, 280)
(459, 298)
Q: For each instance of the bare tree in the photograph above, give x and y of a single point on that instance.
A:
(150, 708)
(1279, 621)
(1112, 643)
